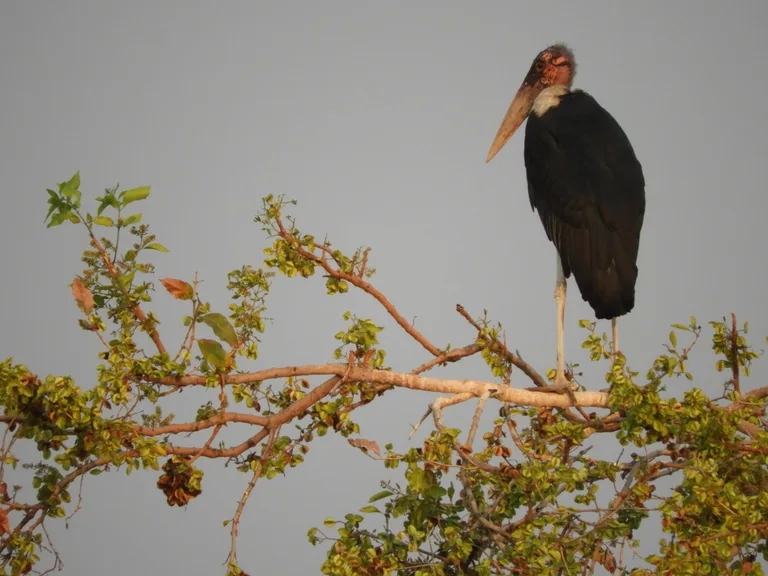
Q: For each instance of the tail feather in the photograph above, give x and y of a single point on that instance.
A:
(603, 263)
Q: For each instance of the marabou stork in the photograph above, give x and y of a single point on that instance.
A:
(586, 184)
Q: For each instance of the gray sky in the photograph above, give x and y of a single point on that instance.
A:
(377, 118)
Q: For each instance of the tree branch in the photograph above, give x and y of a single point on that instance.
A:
(136, 309)
(735, 354)
(274, 421)
(360, 283)
(403, 380)
(232, 559)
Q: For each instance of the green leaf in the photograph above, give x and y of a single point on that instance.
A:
(221, 327)
(380, 495)
(105, 202)
(673, 338)
(125, 280)
(74, 182)
(329, 522)
(369, 510)
(213, 352)
(281, 443)
(156, 246)
(134, 194)
(53, 201)
(59, 218)
(69, 189)
(103, 221)
(132, 219)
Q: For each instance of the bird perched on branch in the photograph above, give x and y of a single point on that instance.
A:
(586, 184)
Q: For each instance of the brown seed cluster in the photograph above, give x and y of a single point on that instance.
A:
(180, 483)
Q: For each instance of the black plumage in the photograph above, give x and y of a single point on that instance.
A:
(588, 188)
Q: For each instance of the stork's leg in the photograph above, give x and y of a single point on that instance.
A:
(615, 328)
(560, 290)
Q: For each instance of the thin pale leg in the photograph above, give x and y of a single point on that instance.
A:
(560, 291)
(615, 328)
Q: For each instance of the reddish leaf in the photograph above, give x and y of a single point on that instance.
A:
(82, 296)
(178, 288)
(5, 527)
(366, 445)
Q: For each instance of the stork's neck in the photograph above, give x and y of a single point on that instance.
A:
(549, 98)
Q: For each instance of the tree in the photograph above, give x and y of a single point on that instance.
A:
(521, 496)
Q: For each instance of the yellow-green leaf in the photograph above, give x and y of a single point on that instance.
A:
(134, 194)
(380, 495)
(132, 219)
(103, 221)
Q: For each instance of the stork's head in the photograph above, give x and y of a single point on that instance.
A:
(554, 66)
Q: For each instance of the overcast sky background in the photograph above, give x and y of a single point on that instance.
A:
(377, 118)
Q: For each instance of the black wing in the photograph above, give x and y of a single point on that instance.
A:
(589, 190)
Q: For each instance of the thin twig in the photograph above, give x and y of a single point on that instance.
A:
(58, 565)
(350, 364)
(735, 354)
(452, 356)
(455, 399)
(361, 283)
(514, 359)
(189, 337)
(205, 446)
(232, 558)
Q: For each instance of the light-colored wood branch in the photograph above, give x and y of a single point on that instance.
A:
(361, 374)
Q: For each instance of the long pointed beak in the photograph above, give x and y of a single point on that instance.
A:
(517, 113)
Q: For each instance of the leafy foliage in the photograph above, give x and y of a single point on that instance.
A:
(524, 496)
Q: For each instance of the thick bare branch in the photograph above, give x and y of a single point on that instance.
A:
(412, 381)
